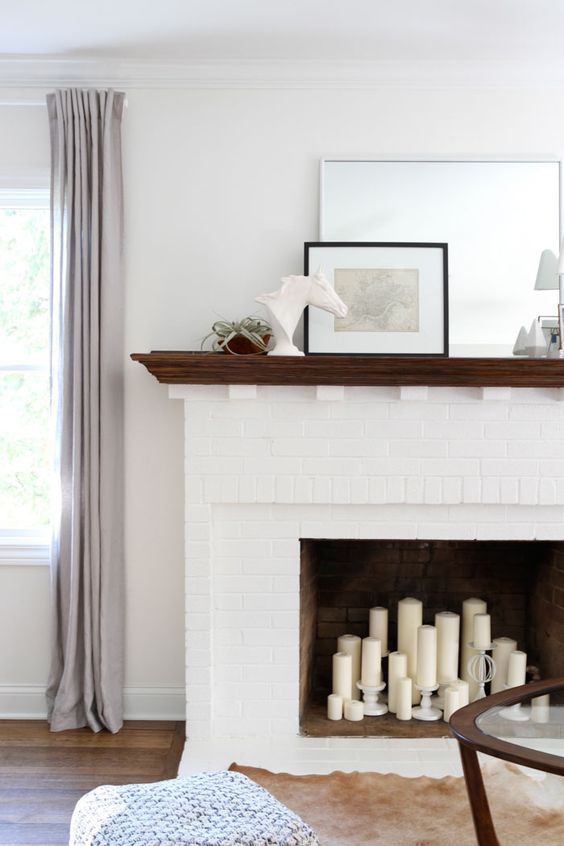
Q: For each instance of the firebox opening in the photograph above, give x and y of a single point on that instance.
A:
(340, 580)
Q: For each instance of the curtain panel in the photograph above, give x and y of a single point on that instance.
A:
(86, 677)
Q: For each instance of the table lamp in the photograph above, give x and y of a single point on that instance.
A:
(550, 277)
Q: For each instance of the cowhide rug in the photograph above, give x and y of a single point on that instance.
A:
(357, 809)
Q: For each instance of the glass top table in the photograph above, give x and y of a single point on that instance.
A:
(523, 725)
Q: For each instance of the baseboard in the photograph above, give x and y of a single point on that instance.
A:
(154, 703)
(22, 702)
(27, 702)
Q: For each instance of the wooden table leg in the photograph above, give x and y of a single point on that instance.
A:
(483, 823)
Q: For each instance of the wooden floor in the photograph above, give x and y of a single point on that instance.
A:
(43, 773)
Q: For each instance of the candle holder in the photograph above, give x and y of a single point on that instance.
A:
(372, 708)
(425, 711)
(514, 712)
(481, 668)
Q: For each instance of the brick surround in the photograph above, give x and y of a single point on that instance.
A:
(268, 466)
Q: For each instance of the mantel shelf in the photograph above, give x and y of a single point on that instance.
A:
(206, 368)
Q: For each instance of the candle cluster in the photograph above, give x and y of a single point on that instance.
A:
(428, 658)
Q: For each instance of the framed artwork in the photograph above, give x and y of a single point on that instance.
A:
(396, 294)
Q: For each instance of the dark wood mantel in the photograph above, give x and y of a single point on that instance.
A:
(206, 368)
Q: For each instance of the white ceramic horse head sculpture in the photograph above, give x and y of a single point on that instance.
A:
(285, 307)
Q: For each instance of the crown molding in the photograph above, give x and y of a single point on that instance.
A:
(312, 74)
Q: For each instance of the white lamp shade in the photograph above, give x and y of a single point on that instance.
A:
(547, 274)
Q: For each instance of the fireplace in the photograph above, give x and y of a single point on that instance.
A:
(340, 580)
(269, 468)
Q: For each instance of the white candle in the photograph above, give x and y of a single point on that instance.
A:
(354, 710)
(447, 624)
(452, 702)
(540, 709)
(517, 668)
(397, 669)
(403, 698)
(463, 689)
(410, 617)
(371, 666)
(470, 607)
(426, 656)
(504, 647)
(378, 626)
(342, 675)
(334, 707)
(482, 636)
(351, 645)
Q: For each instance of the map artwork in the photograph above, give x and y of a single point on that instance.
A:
(379, 299)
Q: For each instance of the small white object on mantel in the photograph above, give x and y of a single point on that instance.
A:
(284, 307)
(536, 344)
(520, 346)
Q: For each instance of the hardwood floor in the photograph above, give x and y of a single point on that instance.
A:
(43, 773)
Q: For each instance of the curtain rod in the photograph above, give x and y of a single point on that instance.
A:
(34, 103)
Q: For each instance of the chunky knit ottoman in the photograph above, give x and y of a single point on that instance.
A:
(208, 809)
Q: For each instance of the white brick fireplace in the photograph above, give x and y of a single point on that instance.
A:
(268, 466)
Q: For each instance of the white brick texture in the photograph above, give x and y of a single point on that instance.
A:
(266, 467)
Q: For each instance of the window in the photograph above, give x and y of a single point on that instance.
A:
(25, 463)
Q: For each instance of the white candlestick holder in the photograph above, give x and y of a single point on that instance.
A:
(515, 712)
(370, 695)
(481, 668)
(426, 711)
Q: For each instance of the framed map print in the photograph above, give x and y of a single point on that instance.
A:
(396, 295)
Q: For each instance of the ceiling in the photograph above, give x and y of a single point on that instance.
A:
(231, 30)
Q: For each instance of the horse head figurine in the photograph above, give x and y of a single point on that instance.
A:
(285, 307)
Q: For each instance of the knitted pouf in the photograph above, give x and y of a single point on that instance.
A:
(208, 809)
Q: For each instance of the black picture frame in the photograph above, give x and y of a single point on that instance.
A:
(432, 337)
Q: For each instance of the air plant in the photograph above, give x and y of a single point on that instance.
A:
(256, 331)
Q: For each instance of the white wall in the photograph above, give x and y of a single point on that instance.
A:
(221, 192)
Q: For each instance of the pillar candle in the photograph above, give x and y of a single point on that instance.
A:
(410, 617)
(470, 607)
(517, 668)
(351, 645)
(378, 626)
(426, 673)
(397, 669)
(354, 710)
(342, 675)
(371, 664)
(463, 689)
(482, 635)
(504, 647)
(447, 624)
(334, 707)
(403, 698)
(540, 709)
(452, 702)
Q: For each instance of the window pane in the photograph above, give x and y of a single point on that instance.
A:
(24, 286)
(24, 453)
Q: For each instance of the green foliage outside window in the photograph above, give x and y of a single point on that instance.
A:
(24, 380)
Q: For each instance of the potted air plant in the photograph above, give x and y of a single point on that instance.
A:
(249, 336)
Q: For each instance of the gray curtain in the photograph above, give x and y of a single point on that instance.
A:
(86, 679)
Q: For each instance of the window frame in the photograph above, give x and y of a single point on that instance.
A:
(24, 547)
